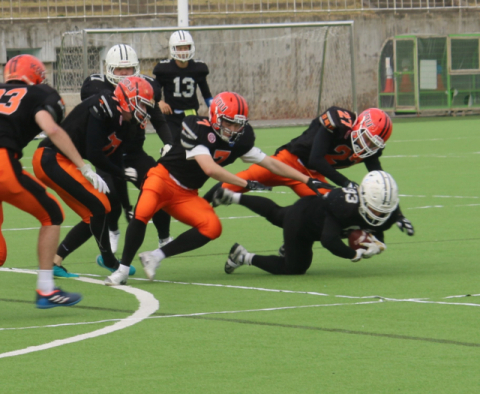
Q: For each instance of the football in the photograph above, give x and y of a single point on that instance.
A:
(356, 237)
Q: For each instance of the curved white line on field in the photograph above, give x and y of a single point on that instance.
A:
(148, 305)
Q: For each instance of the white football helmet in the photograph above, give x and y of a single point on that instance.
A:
(378, 197)
(181, 37)
(121, 56)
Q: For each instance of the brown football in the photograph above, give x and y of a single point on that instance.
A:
(356, 237)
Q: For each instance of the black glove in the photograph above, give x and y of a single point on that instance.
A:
(255, 185)
(405, 225)
(315, 184)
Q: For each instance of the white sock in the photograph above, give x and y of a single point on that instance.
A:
(116, 232)
(236, 198)
(124, 269)
(45, 281)
(158, 254)
(248, 258)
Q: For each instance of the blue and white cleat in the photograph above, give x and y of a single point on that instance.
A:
(57, 297)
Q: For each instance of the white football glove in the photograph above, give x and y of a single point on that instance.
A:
(359, 255)
(95, 179)
(405, 225)
(131, 174)
(165, 149)
(373, 248)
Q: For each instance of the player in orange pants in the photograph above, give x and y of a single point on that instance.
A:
(206, 146)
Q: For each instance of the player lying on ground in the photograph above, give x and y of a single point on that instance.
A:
(207, 145)
(95, 127)
(27, 106)
(335, 140)
(121, 61)
(372, 207)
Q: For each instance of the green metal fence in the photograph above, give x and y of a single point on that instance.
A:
(430, 74)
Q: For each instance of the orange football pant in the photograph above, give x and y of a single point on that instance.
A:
(22, 190)
(160, 191)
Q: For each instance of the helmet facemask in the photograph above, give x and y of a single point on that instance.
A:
(228, 129)
(364, 143)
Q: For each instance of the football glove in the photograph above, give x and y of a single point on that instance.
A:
(165, 149)
(222, 197)
(405, 225)
(373, 248)
(315, 184)
(128, 213)
(131, 174)
(255, 185)
(359, 255)
(95, 179)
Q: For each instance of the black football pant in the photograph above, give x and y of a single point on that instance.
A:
(298, 250)
(174, 122)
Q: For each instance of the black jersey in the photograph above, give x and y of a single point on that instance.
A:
(329, 218)
(327, 146)
(198, 131)
(96, 83)
(95, 127)
(180, 84)
(19, 103)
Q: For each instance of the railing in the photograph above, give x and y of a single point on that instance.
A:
(35, 9)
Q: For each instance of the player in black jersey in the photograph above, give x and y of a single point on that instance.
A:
(179, 78)
(337, 139)
(371, 207)
(26, 108)
(207, 145)
(122, 61)
(95, 126)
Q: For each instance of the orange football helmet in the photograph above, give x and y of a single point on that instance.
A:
(228, 116)
(370, 132)
(134, 94)
(26, 68)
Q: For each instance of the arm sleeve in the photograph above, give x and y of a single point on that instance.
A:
(160, 125)
(95, 132)
(331, 239)
(373, 163)
(204, 88)
(317, 160)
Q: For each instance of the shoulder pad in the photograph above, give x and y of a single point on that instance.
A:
(342, 202)
(52, 102)
(336, 118)
(191, 128)
(105, 106)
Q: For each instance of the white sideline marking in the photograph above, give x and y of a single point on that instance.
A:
(148, 305)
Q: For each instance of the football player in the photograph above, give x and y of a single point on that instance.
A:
(122, 61)
(206, 146)
(335, 140)
(95, 127)
(27, 106)
(179, 78)
(371, 207)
